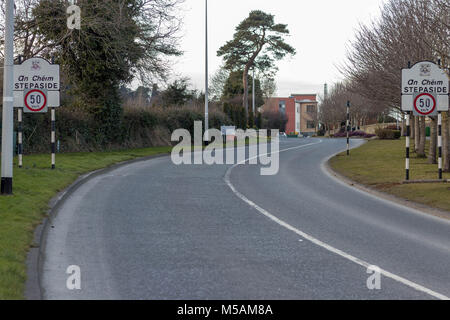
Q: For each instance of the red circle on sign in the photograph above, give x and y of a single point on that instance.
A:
(425, 113)
(43, 105)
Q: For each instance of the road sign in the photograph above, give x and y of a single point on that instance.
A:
(425, 89)
(36, 74)
(35, 101)
(425, 104)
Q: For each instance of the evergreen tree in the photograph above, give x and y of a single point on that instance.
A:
(258, 42)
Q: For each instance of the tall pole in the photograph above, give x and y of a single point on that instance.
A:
(253, 96)
(8, 102)
(348, 128)
(206, 74)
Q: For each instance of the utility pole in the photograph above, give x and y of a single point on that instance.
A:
(206, 75)
(8, 102)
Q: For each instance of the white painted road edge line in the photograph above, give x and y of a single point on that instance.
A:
(324, 245)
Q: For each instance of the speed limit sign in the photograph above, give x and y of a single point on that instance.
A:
(35, 101)
(425, 105)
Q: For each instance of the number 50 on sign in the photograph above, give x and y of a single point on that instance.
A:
(35, 101)
(425, 105)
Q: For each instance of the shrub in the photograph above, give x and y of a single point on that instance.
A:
(274, 120)
(392, 127)
(360, 134)
(388, 134)
(78, 130)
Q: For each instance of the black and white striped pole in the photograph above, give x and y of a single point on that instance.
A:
(408, 142)
(20, 136)
(408, 136)
(53, 137)
(440, 143)
(20, 131)
(348, 128)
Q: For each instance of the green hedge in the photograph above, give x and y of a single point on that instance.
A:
(388, 134)
(78, 131)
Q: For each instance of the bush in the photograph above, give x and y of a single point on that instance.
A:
(274, 120)
(388, 134)
(236, 113)
(392, 127)
(359, 134)
(78, 130)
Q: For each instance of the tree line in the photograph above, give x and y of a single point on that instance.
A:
(407, 31)
(121, 41)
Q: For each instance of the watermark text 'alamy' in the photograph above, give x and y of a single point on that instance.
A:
(215, 152)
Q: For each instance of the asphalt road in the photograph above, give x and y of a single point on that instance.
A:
(153, 230)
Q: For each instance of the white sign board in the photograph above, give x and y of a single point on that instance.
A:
(36, 74)
(425, 89)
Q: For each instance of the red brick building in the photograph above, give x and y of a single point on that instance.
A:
(301, 112)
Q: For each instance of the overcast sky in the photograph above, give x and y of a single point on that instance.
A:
(320, 30)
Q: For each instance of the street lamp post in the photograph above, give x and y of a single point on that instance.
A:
(8, 102)
(253, 97)
(206, 75)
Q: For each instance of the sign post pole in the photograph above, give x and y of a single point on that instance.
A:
(53, 138)
(20, 136)
(440, 143)
(408, 142)
(20, 131)
(8, 103)
(348, 128)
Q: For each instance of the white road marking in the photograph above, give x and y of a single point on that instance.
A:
(324, 245)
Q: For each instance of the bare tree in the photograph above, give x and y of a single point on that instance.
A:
(333, 108)
(407, 31)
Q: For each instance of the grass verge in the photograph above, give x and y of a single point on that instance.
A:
(34, 186)
(380, 164)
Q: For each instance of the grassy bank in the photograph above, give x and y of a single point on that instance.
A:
(381, 164)
(34, 186)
